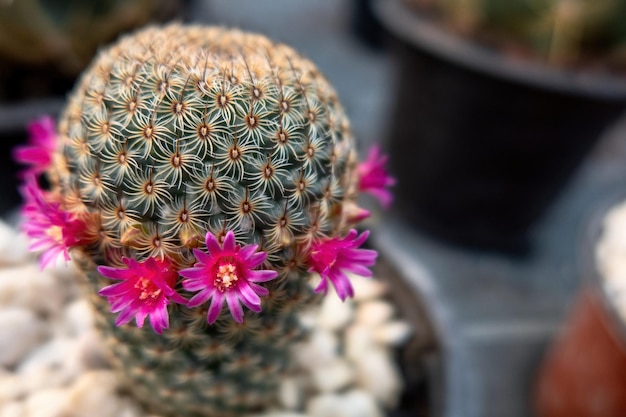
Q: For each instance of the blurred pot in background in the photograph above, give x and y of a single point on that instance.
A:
(584, 373)
(484, 134)
(44, 45)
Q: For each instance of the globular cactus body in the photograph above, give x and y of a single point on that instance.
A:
(178, 131)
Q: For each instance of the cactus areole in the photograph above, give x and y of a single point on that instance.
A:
(199, 176)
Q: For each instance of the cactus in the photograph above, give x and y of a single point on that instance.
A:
(200, 170)
(558, 32)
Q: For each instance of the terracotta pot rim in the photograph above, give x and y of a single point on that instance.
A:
(421, 32)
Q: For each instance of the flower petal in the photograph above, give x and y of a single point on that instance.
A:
(212, 245)
(332, 257)
(322, 286)
(249, 295)
(215, 308)
(235, 306)
(342, 284)
(201, 297)
(159, 319)
(247, 251)
(196, 273)
(229, 242)
(263, 275)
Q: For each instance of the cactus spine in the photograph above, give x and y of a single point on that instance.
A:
(176, 131)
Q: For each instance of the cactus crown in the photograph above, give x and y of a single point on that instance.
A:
(558, 32)
(178, 131)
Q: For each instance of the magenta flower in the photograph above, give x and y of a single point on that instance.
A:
(332, 258)
(374, 178)
(226, 273)
(42, 144)
(354, 214)
(50, 229)
(146, 289)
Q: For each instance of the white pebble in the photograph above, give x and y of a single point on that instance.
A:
(12, 387)
(290, 393)
(20, 332)
(50, 355)
(13, 246)
(374, 313)
(48, 402)
(321, 348)
(378, 374)
(42, 378)
(334, 314)
(13, 409)
(93, 394)
(90, 351)
(29, 287)
(129, 408)
(308, 318)
(358, 340)
(78, 317)
(355, 403)
(333, 377)
(57, 355)
(394, 333)
(15, 386)
(366, 288)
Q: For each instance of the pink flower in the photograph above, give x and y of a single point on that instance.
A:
(42, 144)
(146, 289)
(332, 258)
(353, 213)
(50, 229)
(226, 273)
(374, 178)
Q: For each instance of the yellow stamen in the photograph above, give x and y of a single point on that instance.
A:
(226, 277)
(56, 233)
(143, 285)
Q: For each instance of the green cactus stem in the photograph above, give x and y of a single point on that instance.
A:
(178, 136)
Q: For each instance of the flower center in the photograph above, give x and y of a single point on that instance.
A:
(148, 290)
(226, 277)
(56, 233)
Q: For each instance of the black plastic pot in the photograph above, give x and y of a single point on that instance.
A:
(482, 144)
(364, 24)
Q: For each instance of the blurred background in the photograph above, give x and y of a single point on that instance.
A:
(504, 145)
